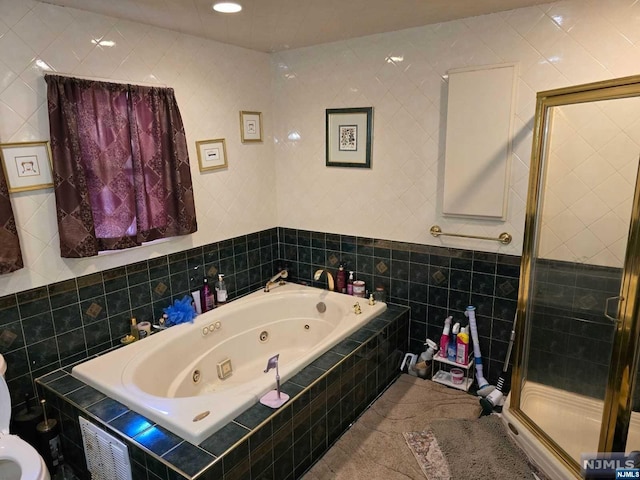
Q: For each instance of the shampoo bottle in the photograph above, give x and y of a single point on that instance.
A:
(207, 301)
(444, 339)
(341, 279)
(221, 290)
(350, 284)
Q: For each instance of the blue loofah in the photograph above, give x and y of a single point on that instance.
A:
(181, 311)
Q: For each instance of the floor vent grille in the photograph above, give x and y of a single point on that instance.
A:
(107, 457)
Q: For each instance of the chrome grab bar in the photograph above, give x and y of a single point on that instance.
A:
(504, 238)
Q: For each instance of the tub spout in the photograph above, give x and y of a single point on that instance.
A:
(330, 284)
(282, 274)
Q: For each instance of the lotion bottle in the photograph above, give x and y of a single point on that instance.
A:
(207, 301)
(221, 290)
(341, 279)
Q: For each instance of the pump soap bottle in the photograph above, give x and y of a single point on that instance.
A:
(350, 284)
(221, 290)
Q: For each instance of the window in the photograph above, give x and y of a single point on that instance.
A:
(121, 166)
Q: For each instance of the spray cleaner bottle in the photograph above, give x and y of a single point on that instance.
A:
(444, 339)
(423, 366)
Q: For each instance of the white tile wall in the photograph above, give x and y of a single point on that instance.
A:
(213, 82)
(589, 187)
(401, 75)
(284, 181)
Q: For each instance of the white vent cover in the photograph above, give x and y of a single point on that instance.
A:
(107, 457)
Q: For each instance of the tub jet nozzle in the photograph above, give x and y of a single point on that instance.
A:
(274, 398)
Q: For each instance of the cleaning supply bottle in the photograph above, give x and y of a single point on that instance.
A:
(431, 349)
(444, 339)
(462, 346)
(451, 349)
(350, 284)
(423, 366)
(341, 279)
(221, 290)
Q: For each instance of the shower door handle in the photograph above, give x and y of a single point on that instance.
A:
(606, 307)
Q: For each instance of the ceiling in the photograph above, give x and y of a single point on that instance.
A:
(275, 25)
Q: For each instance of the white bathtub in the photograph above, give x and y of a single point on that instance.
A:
(154, 376)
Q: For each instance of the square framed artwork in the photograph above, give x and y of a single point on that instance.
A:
(212, 154)
(27, 166)
(250, 126)
(348, 137)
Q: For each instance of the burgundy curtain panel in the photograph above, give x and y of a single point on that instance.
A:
(120, 162)
(10, 253)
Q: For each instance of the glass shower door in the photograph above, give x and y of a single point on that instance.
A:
(575, 287)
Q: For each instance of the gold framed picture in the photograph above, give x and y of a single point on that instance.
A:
(250, 126)
(212, 154)
(27, 165)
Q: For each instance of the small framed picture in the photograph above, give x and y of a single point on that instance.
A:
(27, 166)
(212, 154)
(348, 141)
(251, 126)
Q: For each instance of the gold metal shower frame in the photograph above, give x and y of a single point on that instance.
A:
(622, 371)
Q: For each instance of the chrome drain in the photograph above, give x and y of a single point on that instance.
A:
(264, 336)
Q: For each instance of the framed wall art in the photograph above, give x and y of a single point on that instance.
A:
(27, 166)
(251, 126)
(212, 154)
(348, 137)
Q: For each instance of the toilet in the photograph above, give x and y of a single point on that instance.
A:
(18, 459)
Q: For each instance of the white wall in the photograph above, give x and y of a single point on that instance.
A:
(213, 82)
(590, 181)
(401, 75)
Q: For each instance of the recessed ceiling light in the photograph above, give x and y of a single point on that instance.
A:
(227, 7)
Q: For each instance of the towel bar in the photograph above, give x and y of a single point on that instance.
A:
(504, 238)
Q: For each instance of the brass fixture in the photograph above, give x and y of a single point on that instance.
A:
(504, 238)
(330, 283)
(282, 274)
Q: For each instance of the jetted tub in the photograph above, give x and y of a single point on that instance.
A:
(172, 377)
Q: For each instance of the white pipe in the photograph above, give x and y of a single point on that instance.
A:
(482, 382)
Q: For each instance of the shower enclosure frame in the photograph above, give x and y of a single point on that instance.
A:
(622, 371)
